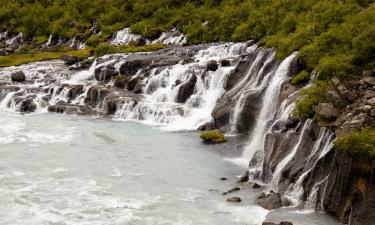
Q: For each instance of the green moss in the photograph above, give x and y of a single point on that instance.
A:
(213, 136)
(362, 142)
(120, 77)
(310, 98)
(301, 77)
(18, 59)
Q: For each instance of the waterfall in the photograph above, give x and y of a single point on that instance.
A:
(268, 109)
(14, 39)
(3, 35)
(48, 43)
(83, 75)
(172, 37)
(125, 36)
(276, 177)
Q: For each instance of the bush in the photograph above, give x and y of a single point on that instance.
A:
(104, 48)
(310, 98)
(213, 136)
(362, 142)
(301, 77)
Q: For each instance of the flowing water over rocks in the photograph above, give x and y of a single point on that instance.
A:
(236, 87)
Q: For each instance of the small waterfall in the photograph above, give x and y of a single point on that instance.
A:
(72, 42)
(125, 36)
(172, 37)
(83, 75)
(276, 177)
(3, 35)
(48, 43)
(268, 109)
(13, 40)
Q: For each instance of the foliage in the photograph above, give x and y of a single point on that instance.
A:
(213, 136)
(362, 142)
(301, 77)
(336, 37)
(310, 98)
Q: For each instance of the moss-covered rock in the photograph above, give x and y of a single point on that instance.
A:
(213, 137)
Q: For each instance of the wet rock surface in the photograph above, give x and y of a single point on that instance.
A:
(269, 201)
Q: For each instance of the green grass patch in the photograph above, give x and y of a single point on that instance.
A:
(18, 59)
(107, 48)
(301, 77)
(311, 97)
(362, 142)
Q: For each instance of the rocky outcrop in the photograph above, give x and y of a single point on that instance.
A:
(186, 89)
(270, 201)
(105, 73)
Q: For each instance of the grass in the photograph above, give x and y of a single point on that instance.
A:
(18, 59)
(301, 77)
(107, 48)
(354, 143)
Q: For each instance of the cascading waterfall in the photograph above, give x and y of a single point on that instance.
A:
(125, 36)
(268, 109)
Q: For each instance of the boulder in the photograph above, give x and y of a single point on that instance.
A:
(212, 65)
(105, 73)
(213, 137)
(133, 83)
(269, 223)
(205, 127)
(270, 201)
(225, 63)
(70, 59)
(234, 199)
(369, 80)
(286, 223)
(186, 90)
(327, 112)
(18, 76)
(28, 105)
(131, 66)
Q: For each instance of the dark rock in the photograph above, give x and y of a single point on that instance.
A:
(206, 126)
(234, 199)
(120, 82)
(232, 190)
(223, 178)
(269, 223)
(212, 65)
(105, 73)
(286, 223)
(244, 178)
(256, 186)
(131, 66)
(270, 201)
(291, 122)
(18, 76)
(186, 89)
(70, 59)
(225, 63)
(133, 83)
(28, 105)
(75, 91)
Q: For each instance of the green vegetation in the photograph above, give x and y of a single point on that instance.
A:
(18, 59)
(310, 98)
(362, 142)
(213, 136)
(301, 77)
(107, 48)
(335, 37)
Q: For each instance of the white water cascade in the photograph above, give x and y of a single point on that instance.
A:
(125, 36)
(268, 109)
(172, 37)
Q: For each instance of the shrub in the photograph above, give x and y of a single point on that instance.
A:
(310, 98)
(213, 136)
(301, 77)
(104, 48)
(362, 142)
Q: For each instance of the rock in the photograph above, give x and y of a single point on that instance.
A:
(270, 201)
(223, 178)
(269, 223)
(369, 80)
(120, 82)
(205, 127)
(291, 122)
(131, 66)
(232, 190)
(105, 73)
(186, 90)
(133, 83)
(225, 63)
(244, 178)
(212, 65)
(213, 137)
(18, 76)
(327, 112)
(70, 59)
(286, 223)
(256, 186)
(234, 199)
(28, 105)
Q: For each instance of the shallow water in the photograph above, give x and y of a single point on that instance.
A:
(60, 169)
